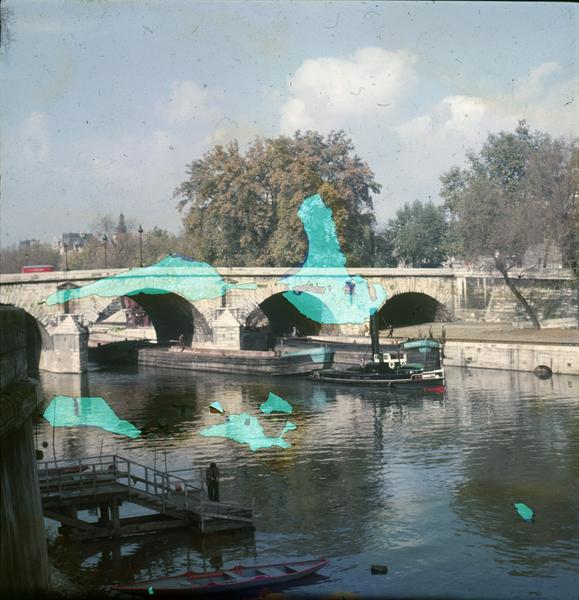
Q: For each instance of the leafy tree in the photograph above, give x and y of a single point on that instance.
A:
(383, 248)
(122, 247)
(242, 209)
(551, 185)
(514, 193)
(120, 243)
(13, 259)
(419, 234)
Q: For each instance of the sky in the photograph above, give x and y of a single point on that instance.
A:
(104, 103)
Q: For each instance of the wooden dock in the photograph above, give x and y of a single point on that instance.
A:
(104, 482)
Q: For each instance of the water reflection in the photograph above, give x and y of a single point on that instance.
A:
(421, 481)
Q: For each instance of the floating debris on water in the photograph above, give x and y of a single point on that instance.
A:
(379, 569)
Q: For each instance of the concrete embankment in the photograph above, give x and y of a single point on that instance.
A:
(482, 346)
(24, 558)
(512, 356)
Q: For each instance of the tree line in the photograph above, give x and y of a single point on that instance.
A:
(240, 208)
(517, 192)
(110, 242)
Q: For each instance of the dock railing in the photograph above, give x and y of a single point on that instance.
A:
(174, 493)
(92, 471)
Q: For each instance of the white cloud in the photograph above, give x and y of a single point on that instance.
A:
(190, 101)
(35, 138)
(329, 92)
(227, 130)
(433, 142)
(533, 83)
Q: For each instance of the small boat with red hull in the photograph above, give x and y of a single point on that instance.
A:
(224, 582)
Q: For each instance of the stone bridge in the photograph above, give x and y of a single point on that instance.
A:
(413, 296)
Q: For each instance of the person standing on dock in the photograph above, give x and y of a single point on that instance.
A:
(212, 480)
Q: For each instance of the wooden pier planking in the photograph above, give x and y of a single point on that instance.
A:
(107, 481)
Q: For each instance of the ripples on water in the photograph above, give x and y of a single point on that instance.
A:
(422, 482)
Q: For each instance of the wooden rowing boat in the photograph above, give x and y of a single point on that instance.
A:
(222, 582)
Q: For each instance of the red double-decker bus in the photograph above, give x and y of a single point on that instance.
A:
(37, 269)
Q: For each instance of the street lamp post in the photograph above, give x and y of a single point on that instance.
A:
(65, 248)
(140, 230)
(105, 238)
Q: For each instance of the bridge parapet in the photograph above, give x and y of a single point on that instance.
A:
(466, 294)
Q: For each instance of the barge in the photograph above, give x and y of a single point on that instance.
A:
(224, 360)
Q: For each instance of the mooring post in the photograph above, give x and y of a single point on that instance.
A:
(115, 512)
(104, 510)
(73, 515)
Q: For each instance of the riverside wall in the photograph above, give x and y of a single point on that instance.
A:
(24, 566)
(512, 356)
(502, 355)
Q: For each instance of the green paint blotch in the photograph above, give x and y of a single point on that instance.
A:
(275, 403)
(173, 274)
(246, 429)
(65, 411)
(332, 296)
(217, 406)
(525, 512)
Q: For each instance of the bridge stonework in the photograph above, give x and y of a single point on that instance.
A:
(465, 295)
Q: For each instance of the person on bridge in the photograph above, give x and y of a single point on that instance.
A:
(212, 480)
(390, 330)
(182, 342)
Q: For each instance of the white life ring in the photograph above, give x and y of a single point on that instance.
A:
(391, 364)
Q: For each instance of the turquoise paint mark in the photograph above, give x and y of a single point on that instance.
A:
(246, 429)
(426, 343)
(65, 411)
(318, 355)
(275, 403)
(150, 590)
(525, 512)
(322, 289)
(173, 274)
(217, 406)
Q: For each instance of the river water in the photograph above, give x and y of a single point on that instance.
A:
(421, 482)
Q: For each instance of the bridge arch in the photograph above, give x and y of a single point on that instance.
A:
(412, 308)
(278, 315)
(37, 341)
(171, 315)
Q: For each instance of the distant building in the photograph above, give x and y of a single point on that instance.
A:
(74, 241)
(27, 245)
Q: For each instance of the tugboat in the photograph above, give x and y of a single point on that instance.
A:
(415, 362)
